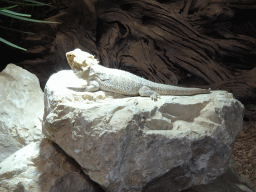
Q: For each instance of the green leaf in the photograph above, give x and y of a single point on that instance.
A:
(36, 2)
(16, 30)
(11, 44)
(15, 13)
(25, 19)
(41, 4)
(8, 7)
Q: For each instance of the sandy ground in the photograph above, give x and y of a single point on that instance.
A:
(244, 152)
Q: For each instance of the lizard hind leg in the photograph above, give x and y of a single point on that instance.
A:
(145, 91)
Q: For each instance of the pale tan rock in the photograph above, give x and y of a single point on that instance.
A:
(42, 167)
(21, 109)
(133, 143)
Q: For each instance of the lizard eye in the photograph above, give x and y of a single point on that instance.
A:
(71, 56)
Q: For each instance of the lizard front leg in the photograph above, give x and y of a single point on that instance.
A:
(145, 91)
(93, 86)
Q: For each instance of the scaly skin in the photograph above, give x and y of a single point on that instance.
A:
(98, 77)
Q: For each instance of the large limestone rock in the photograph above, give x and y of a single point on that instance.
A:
(21, 109)
(135, 144)
(42, 167)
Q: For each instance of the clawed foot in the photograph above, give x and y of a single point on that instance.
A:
(154, 96)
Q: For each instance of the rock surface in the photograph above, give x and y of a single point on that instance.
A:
(42, 167)
(132, 143)
(21, 109)
(228, 182)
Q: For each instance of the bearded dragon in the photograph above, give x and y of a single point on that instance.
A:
(86, 67)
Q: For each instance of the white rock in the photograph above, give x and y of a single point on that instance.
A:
(21, 109)
(133, 143)
(41, 167)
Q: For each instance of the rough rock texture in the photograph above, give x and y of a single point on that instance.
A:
(21, 109)
(228, 182)
(135, 144)
(42, 167)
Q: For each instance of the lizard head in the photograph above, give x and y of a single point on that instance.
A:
(80, 61)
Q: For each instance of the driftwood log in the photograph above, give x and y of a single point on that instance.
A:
(199, 43)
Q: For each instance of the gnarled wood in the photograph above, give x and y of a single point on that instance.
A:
(190, 43)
